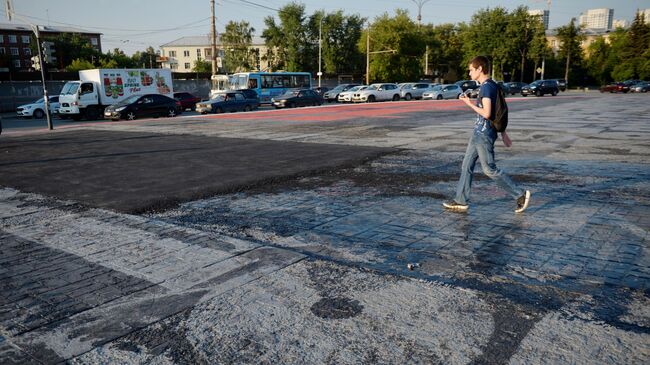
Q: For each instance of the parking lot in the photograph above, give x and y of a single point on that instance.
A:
(317, 235)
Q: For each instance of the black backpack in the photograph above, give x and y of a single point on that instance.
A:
(500, 121)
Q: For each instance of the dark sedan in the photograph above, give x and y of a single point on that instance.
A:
(617, 87)
(296, 98)
(540, 88)
(188, 101)
(515, 87)
(139, 106)
(234, 101)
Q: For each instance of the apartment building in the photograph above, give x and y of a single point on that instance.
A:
(544, 14)
(16, 41)
(597, 19)
(181, 54)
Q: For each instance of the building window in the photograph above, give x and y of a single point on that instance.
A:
(2, 38)
(198, 53)
(13, 39)
(187, 65)
(2, 50)
(94, 41)
(14, 51)
(207, 52)
(186, 53)
(25, 39)
(17, 63)
(174, 66)
(172, 53)
(27, 51)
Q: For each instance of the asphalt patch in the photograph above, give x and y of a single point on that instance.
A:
(140, 172)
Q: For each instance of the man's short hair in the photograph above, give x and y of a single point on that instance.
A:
(481, 61)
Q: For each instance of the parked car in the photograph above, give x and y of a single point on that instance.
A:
(467, 84)
(138, 106)
(321, 90)
(346, 96)
(561, 84)
(410, 91)
(641, 87)
(540, 88)
(296, 98)
(37, 108)
(377, 92)
(439, 92)
(231, 101)
(515, 87)
(188, 101)
(333, 95)
(616, 87)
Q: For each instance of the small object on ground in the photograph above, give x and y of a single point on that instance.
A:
(412, 266)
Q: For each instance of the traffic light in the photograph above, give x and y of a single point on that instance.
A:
(36, 63)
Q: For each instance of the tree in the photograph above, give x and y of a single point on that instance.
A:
(79, 64)
(487, 34)
(202, 66)
(401, 44)
(598, 61)
(525, 33)
(118, 58)
(445, 49)
(146, 59)
(286, 41)
(570, 37)
(237, 40)
(70, 46)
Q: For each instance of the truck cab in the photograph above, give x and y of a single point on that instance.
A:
(79, 99)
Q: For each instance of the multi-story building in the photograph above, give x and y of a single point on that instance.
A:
(597, 19)
(181, 54)
(16, 41)
(590, 35)
(544, 14)
(646, 14)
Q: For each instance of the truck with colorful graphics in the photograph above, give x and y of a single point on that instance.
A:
(98, 88)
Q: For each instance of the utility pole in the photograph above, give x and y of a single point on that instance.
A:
(320, 40)
(214, 40)
(419, 3)
(368, 56)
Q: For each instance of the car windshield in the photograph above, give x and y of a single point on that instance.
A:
(290, 94)
(69, 88)
(339, 88)
(373, 87)
(130, 99)
(39, 101)
(356, 88)
(218, 97)
(437, 88)
(407, 86)
(535, 83)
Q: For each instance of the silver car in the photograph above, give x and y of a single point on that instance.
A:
(410, 91)
(439, 92)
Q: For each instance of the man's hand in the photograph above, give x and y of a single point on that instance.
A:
(465, 99)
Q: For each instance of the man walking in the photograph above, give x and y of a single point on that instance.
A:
(481, 143)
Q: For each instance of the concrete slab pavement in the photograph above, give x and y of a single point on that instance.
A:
(313, 269)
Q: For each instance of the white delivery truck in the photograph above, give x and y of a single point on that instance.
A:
(99, 88)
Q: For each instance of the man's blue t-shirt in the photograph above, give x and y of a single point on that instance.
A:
(482, 126)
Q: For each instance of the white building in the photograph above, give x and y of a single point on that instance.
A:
(646, 13)
(544, 14)
(181, 54)
(597, 18)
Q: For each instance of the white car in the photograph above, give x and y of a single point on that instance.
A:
(439, 92)
(377, 92)
(37, 108)
(410, 91)
(346, 96)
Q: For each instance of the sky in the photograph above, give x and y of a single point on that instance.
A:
(134, 25)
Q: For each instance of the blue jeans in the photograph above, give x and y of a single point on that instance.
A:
(481, 147)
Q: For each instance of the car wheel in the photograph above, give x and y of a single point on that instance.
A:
(371, 99)
(171, 112)
(218, 111)
(458, 96)
(247, 108)
(130, 116)
(538, 93)
(396, 97)
(407, 97)
(554, 93)
(38, 114)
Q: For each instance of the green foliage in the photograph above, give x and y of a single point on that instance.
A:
(78, 65)
(146, 59)
(69, 47)
(401, 44)
(202, 66)
(487, 35)
(287, 41)
(237, 40)
(597, 63)
(570, 37)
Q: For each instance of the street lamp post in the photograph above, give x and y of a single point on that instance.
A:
(419, 3)
(320, 41)
(9, 9)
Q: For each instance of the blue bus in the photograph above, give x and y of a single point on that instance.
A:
(269, 84)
